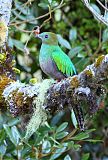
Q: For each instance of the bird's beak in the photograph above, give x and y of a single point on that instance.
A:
(37, 35)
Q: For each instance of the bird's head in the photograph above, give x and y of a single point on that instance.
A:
(48, 38)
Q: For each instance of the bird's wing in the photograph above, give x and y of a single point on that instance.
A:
(63, 63)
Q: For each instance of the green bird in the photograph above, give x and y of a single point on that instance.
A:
(53, 61)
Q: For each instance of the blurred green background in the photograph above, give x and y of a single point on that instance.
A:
(83, 38)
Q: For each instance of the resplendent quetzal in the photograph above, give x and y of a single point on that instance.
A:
(53, 61)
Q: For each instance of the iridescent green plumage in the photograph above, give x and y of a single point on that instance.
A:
(53, 61)
(63, 63)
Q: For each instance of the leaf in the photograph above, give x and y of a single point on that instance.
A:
(54, 140)
(50, 1)
(61, 135)
(2, 136)
(73, 118)
(74, 51)
(93, 140)
(18, 44)
(90, 130)
(73, 34)
(9, 133)
(57, 118)
(85, 156)
(62, 127)
(82, 63)
(81, 136)
(63, 42)
(70, 144)
(82, 54)
(43, 5)
(76, 147)
(25, 10)
(105, 35)
(20, 16)
(58, 15)
(2, 150)
(67, 158)
(58, 152)
(14, 121)
(15, 134)
(96, 8)
(46, 147)
(106, 16)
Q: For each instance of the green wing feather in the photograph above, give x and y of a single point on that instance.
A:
(63, 63)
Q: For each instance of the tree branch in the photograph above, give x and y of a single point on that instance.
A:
(40, 99)
(51, 96)
(99, 16)
(5, 11)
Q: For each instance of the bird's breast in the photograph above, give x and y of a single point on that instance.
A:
(46, 63)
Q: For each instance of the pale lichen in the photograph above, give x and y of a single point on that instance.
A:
(18, 95)
(39, 116)
(10, 88)
(3, 32)
(83, 90)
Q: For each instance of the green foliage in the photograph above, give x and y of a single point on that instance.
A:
(49, 142)
(83, 38)
(85, 156)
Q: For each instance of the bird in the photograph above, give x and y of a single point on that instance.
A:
(52, 59)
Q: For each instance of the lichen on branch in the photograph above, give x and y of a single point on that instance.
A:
(5, 11)
(51, 96)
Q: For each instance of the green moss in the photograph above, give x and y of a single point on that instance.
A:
(4, 81)
(99, 61)
(88, 73)
(33, 81)
(16, 70)
(2, 58)
(74, 82)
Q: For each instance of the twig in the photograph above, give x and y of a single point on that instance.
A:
(23, 5)
(37, 18)
(102, 5)
(100, 17)
(23, 30)
(69, 135)
(47, 20)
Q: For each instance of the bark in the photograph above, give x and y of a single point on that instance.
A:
(5, 12)
(74, 92)
(84, 89)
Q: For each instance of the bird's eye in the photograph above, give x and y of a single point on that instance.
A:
(46, 36)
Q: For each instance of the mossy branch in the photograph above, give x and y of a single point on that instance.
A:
(51, 96)
(5, 11)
